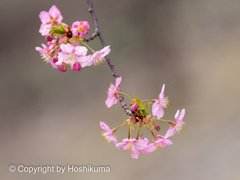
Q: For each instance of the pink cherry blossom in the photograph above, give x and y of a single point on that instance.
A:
(161, 142)
(177, 125)
(113, 93)
(80, 28)
(135, 146)
(48, 19)
(157, 107)
(75, 56)
(98, 56)
(109, 133)
(46, 55)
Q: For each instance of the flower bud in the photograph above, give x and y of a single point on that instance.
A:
(134, 107)
(76, 67)
(157, 127)
(49, 37)
(55, 60)
(63, 67)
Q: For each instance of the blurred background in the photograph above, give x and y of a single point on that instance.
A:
(52, 118)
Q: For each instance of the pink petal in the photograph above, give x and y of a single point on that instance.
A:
(110, 102)
(43, 29)
(112, 138)
(39, 49)
(140, 144)
(135, 154)
(67, 48)
(167, 142)
(105, 127)
(111, 99)
(105, 51)
(177, 114)
(170, 132)
(85, 61)
(182, 114)
(74, 32)
(61, 58)
(157, 110)
(161, 95)
(122, 144)
(55, 13)
(85, 24)
(164, 141)
(95, 56)
(45, 17)
(80, 51)
(149, 149)
(118, 81)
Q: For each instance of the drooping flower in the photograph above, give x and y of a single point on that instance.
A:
(157, 107)
(161, 142)
(45, 53)
(113, 93)
(98, 56)
(177, 125)
(80, 28)
(108, 135)
(49, 19)
(135, 146)
(74, 56)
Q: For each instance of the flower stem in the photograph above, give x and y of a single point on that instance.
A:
(121, 93)
(162, 120)
(52, 51)
(154, 136)
(88, 47)
(149, 100)
(129, 131)
(115, 129)
(139, 129)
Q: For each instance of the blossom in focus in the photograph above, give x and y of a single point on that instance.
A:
(157, 107)
(161, 142)
(98, 56)
(46, 55)
(74, 56)
(48, 19)
(80, 28)
(113, 93)
(177, 125)
(108, 135)
(135, 146)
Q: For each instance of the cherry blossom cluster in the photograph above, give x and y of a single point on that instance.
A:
(65, 45)
(142, 119)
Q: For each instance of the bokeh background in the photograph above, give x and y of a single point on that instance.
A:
(52, 118)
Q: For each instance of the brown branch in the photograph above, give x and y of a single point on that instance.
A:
(92, 37)
(111, 65)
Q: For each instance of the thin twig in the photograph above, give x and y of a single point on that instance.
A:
(111, 65)
(92, 37)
